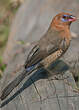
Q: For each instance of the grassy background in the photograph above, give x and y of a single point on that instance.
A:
(8, 9)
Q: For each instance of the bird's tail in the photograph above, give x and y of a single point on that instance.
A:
(7, 90)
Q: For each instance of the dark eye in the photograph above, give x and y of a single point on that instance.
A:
(64, 16)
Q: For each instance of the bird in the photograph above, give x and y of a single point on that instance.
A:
(51, 46)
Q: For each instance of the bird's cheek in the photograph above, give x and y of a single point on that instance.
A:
(63, 20)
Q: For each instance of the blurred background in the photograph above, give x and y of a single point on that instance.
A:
(46, 9)
(8, 9)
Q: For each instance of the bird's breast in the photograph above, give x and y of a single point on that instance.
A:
(66, 38)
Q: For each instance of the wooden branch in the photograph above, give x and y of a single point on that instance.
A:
(39, 91)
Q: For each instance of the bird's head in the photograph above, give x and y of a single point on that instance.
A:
(63, 20)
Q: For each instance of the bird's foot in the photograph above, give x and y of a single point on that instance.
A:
(59, 77)
(74, 89)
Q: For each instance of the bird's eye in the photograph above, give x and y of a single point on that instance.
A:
(64, 16)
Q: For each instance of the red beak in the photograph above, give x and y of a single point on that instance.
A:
(72, 18)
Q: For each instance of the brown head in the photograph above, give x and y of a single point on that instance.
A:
(63, 20)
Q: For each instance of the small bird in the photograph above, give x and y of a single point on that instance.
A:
(52, 45)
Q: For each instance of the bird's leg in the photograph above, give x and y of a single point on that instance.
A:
(74, 89)
(56, 76)
(60, 77)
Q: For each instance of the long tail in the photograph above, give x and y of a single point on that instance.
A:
(7, 90)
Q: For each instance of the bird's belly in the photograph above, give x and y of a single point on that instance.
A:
(51, 58)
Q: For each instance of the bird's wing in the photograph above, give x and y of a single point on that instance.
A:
(36, 54)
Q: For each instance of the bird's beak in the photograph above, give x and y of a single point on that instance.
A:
(72, 18)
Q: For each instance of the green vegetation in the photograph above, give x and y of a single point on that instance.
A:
(7, 12)
(2, 66)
